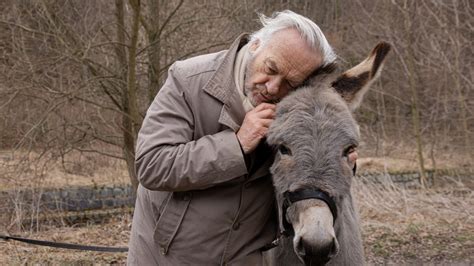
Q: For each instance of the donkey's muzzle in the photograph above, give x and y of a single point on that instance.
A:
(320, 255)
(315, 240)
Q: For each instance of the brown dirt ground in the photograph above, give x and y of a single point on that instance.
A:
(399, 227)
(400, 242)
(113, 232)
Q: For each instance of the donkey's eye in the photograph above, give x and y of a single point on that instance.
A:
(351, 154)
(349, 150)
(284, 150)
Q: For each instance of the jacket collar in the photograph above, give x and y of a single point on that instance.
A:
(222, 87)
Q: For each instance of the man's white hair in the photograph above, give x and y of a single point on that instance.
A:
(308, 29)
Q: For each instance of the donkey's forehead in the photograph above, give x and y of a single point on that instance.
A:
(312, 109)
(299, 128)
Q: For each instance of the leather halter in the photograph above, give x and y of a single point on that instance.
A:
(290, 197)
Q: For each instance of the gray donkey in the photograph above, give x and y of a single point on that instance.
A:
(316, 138)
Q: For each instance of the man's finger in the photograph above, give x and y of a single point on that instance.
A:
(267, 113)
(266, 122)
(264, 106)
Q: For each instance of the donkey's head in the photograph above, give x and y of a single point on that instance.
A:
(316, 139)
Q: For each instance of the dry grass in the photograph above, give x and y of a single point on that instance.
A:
(399, 154)
(34, 171)
(114, 232)
(26, 169)
(400, 225)
(399, 157)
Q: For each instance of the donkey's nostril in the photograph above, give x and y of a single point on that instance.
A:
(316, 254)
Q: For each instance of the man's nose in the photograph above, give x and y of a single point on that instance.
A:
(273, 85)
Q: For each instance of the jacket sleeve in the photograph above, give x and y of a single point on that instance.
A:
(167, 157)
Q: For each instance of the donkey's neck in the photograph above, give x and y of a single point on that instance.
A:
(348, 235)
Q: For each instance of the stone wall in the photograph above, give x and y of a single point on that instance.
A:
(407, 180)
(49, 203)
(108, 198)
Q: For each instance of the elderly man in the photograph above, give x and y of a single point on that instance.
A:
(205, 194)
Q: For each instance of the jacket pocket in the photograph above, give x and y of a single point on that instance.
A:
(157, 201)
(170, 219)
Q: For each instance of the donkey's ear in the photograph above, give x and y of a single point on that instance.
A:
(355, 82)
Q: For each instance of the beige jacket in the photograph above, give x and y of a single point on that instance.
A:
(200, 201)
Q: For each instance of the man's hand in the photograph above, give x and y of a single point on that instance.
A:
(255, 126)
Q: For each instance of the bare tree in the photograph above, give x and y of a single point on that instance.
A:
(79, 76)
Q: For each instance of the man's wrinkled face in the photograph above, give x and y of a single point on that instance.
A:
(282, 64)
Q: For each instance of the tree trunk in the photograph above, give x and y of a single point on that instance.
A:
(127, 75)
(457, 76)
(410, 13)
(154, 56)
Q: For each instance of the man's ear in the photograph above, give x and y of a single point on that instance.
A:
(355, 82)
(254, 45)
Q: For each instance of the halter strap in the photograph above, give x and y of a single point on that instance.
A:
(290, 197)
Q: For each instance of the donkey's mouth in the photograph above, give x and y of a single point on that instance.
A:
(312, 256)
(315, 240)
